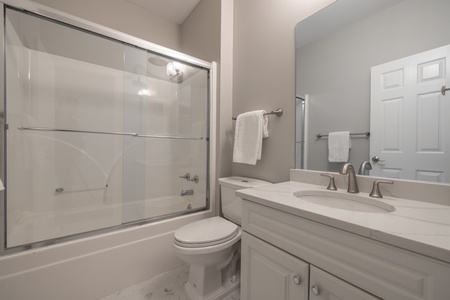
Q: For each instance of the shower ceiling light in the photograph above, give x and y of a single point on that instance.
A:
(173, 69)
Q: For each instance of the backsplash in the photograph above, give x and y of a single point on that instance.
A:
(437, 193)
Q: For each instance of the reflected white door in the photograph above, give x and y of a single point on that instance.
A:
(410, 118)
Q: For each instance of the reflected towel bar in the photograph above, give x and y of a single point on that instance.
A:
(110, 132)
(367, 134)
(278, 113)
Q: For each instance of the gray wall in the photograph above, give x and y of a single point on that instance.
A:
(264, 76)
(200, 32)
(123, 16)
(335, 70)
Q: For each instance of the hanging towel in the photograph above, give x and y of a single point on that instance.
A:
(251, 128)
(339, 145)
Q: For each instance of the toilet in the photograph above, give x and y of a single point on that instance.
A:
(210, 245)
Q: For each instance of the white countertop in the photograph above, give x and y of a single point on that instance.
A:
(417, 226)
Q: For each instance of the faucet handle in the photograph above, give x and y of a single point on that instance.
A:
(331, 185)
(376, 188)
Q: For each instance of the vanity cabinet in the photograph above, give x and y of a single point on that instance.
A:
(270, 273)
(278, 247)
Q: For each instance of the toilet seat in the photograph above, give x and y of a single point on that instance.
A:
(207, 232)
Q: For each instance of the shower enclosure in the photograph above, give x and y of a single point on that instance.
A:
(100, 133)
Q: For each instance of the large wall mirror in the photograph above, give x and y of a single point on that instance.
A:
(376, 68)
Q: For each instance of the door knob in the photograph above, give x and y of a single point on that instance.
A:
(444, 89)
(376, 159)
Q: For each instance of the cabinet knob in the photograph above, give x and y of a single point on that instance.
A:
(297, 280)
(315, 289)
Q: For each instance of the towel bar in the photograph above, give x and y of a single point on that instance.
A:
(278, 113)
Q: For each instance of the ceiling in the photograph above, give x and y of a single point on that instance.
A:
(172, 10)
(336, 16)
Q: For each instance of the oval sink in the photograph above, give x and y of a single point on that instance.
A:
(345, 201)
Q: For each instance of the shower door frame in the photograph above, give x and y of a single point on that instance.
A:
(99, 30)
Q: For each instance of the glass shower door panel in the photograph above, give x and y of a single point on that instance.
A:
(194, 123)
(174, 158)
(64, 88)
(136, 87)
(173, 107)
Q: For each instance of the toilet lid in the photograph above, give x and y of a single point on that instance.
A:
(206, 232)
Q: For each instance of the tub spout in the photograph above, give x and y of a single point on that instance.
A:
(187, 192)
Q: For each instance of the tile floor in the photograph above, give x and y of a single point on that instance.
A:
(168, 286)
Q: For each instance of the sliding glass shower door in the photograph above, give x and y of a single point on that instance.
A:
(99, 133)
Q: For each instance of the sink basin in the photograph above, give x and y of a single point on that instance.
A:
(345, 201)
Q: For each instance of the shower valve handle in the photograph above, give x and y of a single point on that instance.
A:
(195, 179)
(187, 176)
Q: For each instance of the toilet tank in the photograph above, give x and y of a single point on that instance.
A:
(232, 205)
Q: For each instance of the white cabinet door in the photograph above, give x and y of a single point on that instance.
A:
(325, 286)
(271, 274)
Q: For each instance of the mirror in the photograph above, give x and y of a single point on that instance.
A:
(336, 49)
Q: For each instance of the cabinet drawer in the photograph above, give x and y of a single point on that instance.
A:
(325, 286)
(383, 270)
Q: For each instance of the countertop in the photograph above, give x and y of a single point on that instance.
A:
(421, 227)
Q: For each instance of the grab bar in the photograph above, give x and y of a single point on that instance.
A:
(109, 132)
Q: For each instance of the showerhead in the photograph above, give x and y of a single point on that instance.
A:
(157, 61)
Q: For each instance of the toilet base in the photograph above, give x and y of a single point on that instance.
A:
(228, 286)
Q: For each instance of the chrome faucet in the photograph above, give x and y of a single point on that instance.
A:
(352, 184)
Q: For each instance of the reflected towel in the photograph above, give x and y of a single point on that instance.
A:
(339, 145)
(251, 128)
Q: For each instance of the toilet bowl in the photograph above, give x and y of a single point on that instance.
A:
(211, 244)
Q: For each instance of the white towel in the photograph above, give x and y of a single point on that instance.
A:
(251, 128)
(339, 145)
